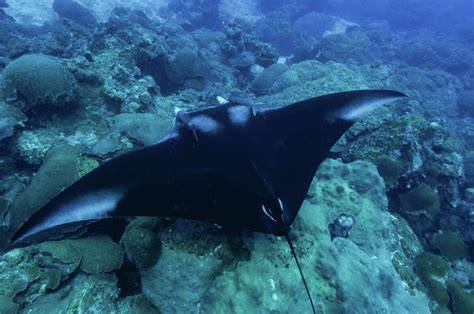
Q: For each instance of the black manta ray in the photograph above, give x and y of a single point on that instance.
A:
(231, 165)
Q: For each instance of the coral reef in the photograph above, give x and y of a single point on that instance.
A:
(421, 200)
(433, 271)
(78, 89)
(263, 81)
(451, 246)
(40, 80)
(463, 301)
(141, 242)
(10, 118)
(390, 170)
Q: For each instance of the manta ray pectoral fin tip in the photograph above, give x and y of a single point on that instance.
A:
(358, 108)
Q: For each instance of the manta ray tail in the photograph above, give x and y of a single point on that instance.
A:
(301, 272)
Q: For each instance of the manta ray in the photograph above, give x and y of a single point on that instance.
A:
(232, 165)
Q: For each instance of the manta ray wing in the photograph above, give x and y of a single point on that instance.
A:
(302, 135)
(229, 165)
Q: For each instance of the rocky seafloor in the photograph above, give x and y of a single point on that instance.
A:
(80, 89)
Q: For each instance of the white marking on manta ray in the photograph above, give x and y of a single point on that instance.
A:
(264, 209)
(222, 100)
(281, 204)
(357, 110)
(176, 110)
(90, 206)
(205, 124)
(239, 114)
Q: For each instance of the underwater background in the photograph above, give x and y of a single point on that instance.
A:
(85, 81)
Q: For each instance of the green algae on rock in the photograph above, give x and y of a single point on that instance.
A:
(433, 272)
(463, 300)
(390, 169)
(421, 200)
(40, 79)
(452, 247)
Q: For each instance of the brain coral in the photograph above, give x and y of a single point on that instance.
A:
(39, 79)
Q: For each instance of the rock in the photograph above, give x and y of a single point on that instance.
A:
(390, 169)
(463, 300)
(83, 294)
(10, 117)
(90, 294)
(314, 24)
(33, 146)
(75, 12)
(6, 127)
(61, 254)
(469, 168)
(469, 194)
(421, 200)
(40, 80)
(340, 26)
(410, 248)
(243, 60)
(39, 278)
(263, 81)
(29, 273)
(432, 270)
(178, 281)
(137, 304)
(310, 79)
(351, 48)
(8, 306)
(230, 10)
(61, 168)
(41, 11)
(185, 64)
(100, 254)
(25, 13)
(451, 246)
(144, 128)
(141, 242)
(466, 103)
